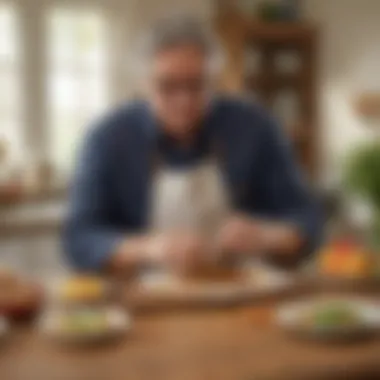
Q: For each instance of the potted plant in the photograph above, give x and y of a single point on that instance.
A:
(362, 177)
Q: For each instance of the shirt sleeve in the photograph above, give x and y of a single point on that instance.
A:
(89, 238)
(288, 196)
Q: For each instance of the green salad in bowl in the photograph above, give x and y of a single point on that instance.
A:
(84, 321)
(332, 315)
(330, 319)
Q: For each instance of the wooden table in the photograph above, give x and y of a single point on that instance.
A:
(233, 344)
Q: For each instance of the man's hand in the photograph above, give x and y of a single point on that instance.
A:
(245, 235)
(180, 250)
(239, 235)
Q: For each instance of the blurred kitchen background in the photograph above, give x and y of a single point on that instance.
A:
(315, 63)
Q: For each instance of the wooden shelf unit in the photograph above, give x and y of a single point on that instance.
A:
(269, 41)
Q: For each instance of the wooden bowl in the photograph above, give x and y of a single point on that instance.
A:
(23, 306)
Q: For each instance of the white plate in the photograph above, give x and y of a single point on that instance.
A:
(164, 283)
(289, 315)
(255, 276)
(119, 322)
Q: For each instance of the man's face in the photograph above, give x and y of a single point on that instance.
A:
(178, 88)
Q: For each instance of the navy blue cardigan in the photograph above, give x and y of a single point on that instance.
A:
(110, 193)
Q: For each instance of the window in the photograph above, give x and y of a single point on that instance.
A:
(10, 105)
(77, 85)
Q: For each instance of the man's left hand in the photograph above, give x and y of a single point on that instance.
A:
(245, 235)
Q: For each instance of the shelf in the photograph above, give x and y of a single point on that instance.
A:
(280, 32)
(271, 44)
(277, 81)
(299, 135)
(276, 31)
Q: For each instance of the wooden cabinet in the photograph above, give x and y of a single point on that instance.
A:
(276, 64)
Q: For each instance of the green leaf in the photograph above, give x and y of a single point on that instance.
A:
(362, 173)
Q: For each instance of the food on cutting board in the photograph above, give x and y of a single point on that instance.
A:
(345, 258)
(83, 289)
(229, 281)
(214, 273)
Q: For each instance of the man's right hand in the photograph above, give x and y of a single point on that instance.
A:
(180, 250)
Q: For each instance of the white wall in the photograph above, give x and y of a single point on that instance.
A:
(350, 65)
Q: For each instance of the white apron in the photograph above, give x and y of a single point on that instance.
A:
(193, 198)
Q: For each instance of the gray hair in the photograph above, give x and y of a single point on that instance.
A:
(179, 30)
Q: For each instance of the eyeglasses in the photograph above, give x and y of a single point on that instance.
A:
(175, 86)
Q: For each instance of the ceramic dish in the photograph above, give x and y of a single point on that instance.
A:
(330, 319)
(85, 326)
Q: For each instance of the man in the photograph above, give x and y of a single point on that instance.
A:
(145, 191)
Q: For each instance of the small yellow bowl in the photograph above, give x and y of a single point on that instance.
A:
(85, 289)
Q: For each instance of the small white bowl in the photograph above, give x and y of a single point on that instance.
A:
(119, 322)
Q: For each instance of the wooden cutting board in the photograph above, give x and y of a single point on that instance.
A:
(162, 290)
